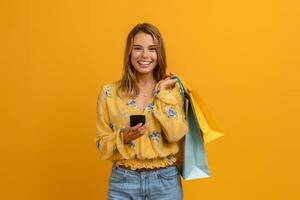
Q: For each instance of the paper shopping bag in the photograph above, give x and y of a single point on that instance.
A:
(209, 128)
(194, 161)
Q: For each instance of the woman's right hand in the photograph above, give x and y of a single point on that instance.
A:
(132, 133)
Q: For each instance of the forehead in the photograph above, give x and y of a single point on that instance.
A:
(143, 38)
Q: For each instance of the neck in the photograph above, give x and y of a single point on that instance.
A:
(145, 79)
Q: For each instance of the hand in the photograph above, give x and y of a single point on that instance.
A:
(166, 83)
(132, 133)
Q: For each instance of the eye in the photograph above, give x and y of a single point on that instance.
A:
(152, 49)
(137, 48)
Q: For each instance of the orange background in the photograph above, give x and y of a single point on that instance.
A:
(242, 57)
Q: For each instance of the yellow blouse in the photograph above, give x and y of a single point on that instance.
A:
(158, 146)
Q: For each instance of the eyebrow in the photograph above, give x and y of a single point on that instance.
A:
(141, 45)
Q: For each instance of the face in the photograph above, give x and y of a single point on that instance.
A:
(143, 53)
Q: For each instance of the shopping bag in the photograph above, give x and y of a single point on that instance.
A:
(209, 128)
(194, 161)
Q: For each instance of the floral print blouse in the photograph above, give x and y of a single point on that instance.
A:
(158, 146)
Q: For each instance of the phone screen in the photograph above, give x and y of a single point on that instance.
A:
(136, 119)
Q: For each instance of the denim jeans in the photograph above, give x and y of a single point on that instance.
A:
(160, 184)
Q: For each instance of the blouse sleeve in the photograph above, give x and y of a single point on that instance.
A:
(169, 111)
(109, 138)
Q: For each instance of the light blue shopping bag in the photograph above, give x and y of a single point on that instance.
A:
(195, 164)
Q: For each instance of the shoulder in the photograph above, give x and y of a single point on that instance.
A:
(111, 85)
(109, 89)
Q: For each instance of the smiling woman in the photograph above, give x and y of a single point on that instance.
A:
(144, 156)
(143, 55)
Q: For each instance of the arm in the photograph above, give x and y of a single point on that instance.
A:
(109, 138)
(169, 111)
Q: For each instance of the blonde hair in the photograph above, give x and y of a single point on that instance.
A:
(128, 84)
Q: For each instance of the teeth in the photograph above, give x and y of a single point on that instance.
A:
(144, 62)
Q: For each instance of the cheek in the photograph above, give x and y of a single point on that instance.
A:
(134, 56)
(133, 59)
(154, 56)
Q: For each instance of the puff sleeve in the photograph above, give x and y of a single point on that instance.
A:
(169, 111)
(109, 138)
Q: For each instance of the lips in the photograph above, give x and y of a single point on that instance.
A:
(144, 62)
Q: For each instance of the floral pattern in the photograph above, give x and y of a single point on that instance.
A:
(151, 106)
(171, 112)
(154, 135)
(107, 91)
(156, 92)
(161, 108)
(131, 103)
(131, 144)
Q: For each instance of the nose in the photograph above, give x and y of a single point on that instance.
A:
(145, 53)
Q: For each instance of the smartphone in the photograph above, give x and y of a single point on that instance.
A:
(136, 119)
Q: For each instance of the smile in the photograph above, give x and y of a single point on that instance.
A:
(144, 62)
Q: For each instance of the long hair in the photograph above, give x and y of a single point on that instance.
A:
(128, 84)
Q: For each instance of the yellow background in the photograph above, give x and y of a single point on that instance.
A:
(242, 57)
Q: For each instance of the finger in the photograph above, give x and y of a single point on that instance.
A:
(142, 129)
(134, 128)
(164, 80)
(127, 125)
(126, 131)
(139, 130)
(141, 133)
(166, 76)
(171, 82)
(169, 74)
(136, 136)
(127, 128)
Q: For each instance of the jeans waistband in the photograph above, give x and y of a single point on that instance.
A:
(141, 171)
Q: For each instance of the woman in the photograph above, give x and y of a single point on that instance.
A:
(144, 156)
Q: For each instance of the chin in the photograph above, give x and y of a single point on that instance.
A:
(145, 70)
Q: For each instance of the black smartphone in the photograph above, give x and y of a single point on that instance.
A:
(136, 119)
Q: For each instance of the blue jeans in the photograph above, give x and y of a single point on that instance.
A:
(160, 184)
